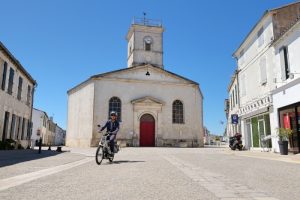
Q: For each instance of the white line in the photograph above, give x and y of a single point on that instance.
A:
(24, 178)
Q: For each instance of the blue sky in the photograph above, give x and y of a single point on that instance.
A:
(63, 42)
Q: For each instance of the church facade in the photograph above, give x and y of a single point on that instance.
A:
(155, 107)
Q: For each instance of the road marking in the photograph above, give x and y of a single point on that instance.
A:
(24, 178)
(219, 185)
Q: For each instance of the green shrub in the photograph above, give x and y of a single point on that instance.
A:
(7, 144)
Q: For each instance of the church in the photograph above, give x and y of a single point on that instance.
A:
(156, 107)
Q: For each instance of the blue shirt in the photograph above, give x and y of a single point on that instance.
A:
(112, 127)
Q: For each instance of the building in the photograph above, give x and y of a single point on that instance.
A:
(232, 107)
(156, 107)
(16, 99)
(44, 127)
(286, 97)
(60, 136)
(257, 76)
(39, 128)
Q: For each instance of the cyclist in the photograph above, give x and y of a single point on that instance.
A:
(112, 126)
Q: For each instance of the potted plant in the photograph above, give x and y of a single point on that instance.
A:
(284, 134)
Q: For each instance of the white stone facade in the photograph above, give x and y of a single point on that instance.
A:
(16, 99)
(139, 94)
(45, 128)
(39, 125)
(286, 96)
(259, 73)
(232, 106)
(142, 89)
(60, 136)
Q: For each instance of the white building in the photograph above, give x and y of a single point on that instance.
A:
(257, 74)
(156, 107)
(39, 125)
(232, 106)
(286, 97)
(60, 136)
(16, 99)
(43, 126)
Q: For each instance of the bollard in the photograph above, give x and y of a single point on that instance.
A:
(40, 145)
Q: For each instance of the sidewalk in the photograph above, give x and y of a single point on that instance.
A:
(19, 162)
(290, 158)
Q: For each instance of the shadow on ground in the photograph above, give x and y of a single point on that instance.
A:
(11, 157)
(125, 161)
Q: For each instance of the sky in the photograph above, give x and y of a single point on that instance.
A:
(61, 43)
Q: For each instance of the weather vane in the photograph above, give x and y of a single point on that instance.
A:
(144, 13)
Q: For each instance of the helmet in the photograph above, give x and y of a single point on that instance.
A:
(113, 113)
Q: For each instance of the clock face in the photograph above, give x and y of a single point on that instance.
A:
(148, 40)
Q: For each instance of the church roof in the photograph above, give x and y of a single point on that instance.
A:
(148, 65)
(133, 68)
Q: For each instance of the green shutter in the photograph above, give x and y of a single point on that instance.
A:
(255, 137)
(268, 129)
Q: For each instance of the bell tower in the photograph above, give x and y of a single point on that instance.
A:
(145, 43)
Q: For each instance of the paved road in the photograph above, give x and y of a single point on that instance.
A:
(155, 173)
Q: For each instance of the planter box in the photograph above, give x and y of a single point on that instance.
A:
(283, 147)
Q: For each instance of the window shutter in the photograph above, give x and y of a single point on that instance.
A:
(243, 81)
(260, 36)
(263, 71)
(282, 64)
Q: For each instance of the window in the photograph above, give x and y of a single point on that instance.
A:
(23, 128)
(260, 37)
(12, 127)
(230, 101)
(10, 81)
(4, 76)
(115, 105)
(20, 88)
(29, 129)
(5, 126)
(243, 82)
(18, 127)
(284, 62)
(28, 94)
(177, 112)
(236, 95)
(263, 71)
(233, 98)
(147, 47)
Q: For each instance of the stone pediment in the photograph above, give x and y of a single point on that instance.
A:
(147, 100)
(137, 73)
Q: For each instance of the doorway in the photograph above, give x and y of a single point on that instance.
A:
(147, 131)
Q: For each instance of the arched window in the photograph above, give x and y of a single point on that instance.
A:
(115, 105)
(177, 112)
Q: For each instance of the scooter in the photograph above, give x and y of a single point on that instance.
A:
(235, 142)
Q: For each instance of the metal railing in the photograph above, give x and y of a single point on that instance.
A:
(147, 22)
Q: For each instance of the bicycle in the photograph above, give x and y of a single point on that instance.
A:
(103, 149)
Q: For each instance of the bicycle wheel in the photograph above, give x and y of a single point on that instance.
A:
(99, 155)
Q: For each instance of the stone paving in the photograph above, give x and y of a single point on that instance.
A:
(151, 173)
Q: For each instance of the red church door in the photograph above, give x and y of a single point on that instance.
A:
(147, 131)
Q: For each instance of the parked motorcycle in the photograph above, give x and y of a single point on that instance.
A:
(235, 142)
